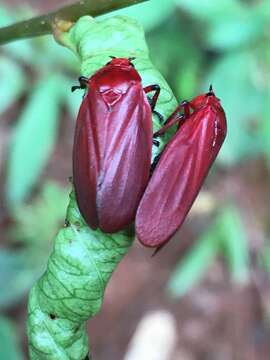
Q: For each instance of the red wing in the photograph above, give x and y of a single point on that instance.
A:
(179, 176)
(111, 158)
(85, 170)
(126, 167)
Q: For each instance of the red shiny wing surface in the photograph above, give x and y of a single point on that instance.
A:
(126, 167)
(85, 174)
(179, 176)
(112, 155)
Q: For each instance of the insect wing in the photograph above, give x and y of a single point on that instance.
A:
(85, 165)
(112, 156)
(179, 176)
(126, 167)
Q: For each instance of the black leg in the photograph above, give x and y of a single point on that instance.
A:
(155, 88)
(154, 164)
(173, 119)
(83, 81)
(153, 100)
(160, 117)
(156, 142)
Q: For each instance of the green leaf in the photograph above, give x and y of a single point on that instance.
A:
(168, 44)
(187, 78)
(235, 244)
(172, 47)
(58, 57)
(74, 99)
(33, 139)
(189, 271)
(227, 234)
(8, 341)
(149, 14)
(232, 77)
(37, 223)
(235, 31)
(264, 258)
(210, 10)
(18, 272)
(13, 82)
(6, 17)
(21, 49)
(265, 128)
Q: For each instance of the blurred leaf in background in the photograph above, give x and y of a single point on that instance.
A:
(226, 236)
(33, 139)
(209, 10)
(18, 272)
(13, 82)
(38, 222)
(9, 346)
(232, 79)
(231, 34)
(265, 257)
(174, 52)
(149, 14)
(25, 71)
(35, 227)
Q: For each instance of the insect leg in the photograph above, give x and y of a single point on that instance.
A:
(154, 164)
(154, 99)
(83, 81)
(186, 105)
(175, 119)
(155, 88)
(156, 142)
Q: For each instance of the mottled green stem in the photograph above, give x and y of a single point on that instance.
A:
(72, 288)
(82, 262)
(44, 24)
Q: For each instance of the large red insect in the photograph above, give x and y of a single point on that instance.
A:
(112, 145)
(181, 169)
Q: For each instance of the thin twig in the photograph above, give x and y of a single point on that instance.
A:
(43, 25)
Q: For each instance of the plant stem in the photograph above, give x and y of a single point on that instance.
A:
(43, 25)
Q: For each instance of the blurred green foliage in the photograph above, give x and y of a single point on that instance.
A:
(226, 236)
(8, 341)
(222, 43)
(265, 257)
(35, 226)
(40, 72)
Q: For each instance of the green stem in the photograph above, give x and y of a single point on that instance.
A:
(44, 24)
(72, 288)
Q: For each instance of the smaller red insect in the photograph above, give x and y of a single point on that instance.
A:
(112, 145)
(181, 168)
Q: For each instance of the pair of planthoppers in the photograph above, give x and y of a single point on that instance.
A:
(113, 178)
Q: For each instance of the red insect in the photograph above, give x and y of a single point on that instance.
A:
(112, 145)
(181, 169)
